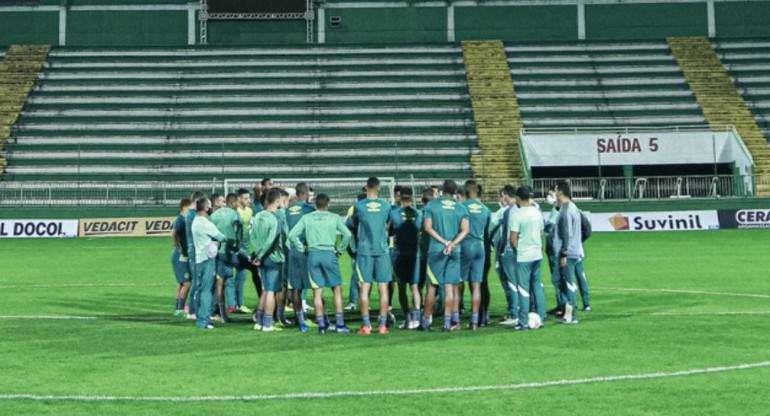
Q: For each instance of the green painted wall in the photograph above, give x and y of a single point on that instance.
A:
(126, 28)
(742, 19)
(29, 28)
(221, 32)
(383, 25)
(520, 23)
(645, 21)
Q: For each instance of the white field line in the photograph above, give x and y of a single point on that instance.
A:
(691, 292)
(368, 393)
(170, 284)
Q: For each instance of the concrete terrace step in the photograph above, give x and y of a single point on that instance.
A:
(240, 87)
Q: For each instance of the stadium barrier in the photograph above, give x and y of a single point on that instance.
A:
(698, 220)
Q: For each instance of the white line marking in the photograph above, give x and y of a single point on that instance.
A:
(308, 395)
(170, 284)
(92, 318)
(692, 292)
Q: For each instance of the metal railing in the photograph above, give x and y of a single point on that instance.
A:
(653, 187)
(15, 194)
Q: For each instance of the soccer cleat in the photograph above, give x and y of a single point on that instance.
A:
(179, 312)
(289, 308)
(570, 322)
(508, 321)
(286, 322)
(217, 318)
(209, 326)
(521, 328)
(473, 327)
(310, 324)
(455, 326)
(192, 316)
(342, 329)
(186, 309)
(232, 309)
(383, 329)
(483, 323)
(424, 329)
(278, 324)
(257, 327)
(302, 328)
(587, 308)
(365, 330)
(553, 311)
(254, 317)
(269, 329)
(245, 309)
(391, 319)
(321, 331)
(413, 325)
(404, 325)
(350, 306)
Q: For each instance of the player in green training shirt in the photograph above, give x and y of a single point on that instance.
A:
(472, 254)
(527, 239)
(371, 221)
(298, 277)
(268, 238)
(179, 261)
(446, 221)
(229, 223)
(320, 229)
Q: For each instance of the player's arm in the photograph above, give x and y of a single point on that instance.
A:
(432, 233)
(213, 232)
(464, 229)
(175, 239)
(346, 237)
(515, 228)
(562, 223)
(296, 231)
(269, 229)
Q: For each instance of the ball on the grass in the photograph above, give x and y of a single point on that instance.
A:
(534, 320)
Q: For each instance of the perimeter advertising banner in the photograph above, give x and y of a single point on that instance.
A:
(655, 221)
(126, 227)
(38, 228)
(745, 218)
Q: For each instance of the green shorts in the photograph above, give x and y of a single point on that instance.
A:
(472, 262)
(297, 278)
(443, 269)
(323, 269)
(370, 269)
(272, 276)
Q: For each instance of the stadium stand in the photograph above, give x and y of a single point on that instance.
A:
(495, 113)
(601, 84)
(748, 64)
(194, 114)
(18, 73)
(720, 101)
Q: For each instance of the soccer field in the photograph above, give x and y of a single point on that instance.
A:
(680, 326)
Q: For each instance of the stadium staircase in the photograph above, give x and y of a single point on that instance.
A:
(601, 85)
(496, 115)
(18, 72)
(721, 102)
(195, 114)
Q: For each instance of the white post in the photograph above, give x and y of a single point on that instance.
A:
(450, 23)
(711, 19)
(62, 26)
(321, 25)
(581, 20)
(191, 26)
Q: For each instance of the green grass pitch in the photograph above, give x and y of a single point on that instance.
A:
(663, 303)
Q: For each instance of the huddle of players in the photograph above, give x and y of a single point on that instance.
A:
(446, 244)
